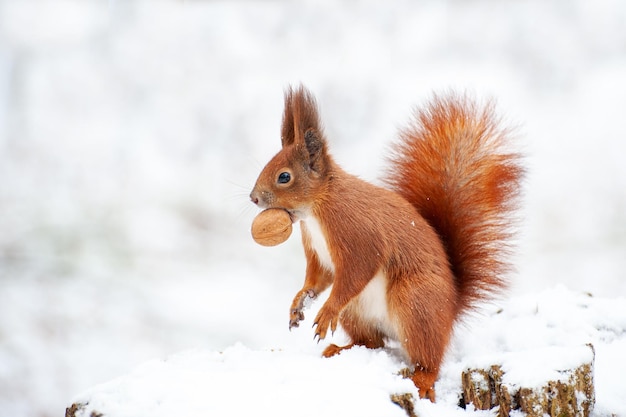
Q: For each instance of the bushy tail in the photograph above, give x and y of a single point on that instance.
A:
(453, 165)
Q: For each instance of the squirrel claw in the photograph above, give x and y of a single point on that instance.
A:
(295, 322)
(296, 316)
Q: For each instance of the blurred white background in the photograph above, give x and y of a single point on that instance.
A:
(132, 132)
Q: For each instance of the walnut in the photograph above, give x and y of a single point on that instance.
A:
(271, 227)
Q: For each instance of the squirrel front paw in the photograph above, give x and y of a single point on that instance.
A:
(327, 317)
(296, 314)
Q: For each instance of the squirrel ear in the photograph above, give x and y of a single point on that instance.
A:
(316, 147)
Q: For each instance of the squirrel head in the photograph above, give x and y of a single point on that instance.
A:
(294, 178)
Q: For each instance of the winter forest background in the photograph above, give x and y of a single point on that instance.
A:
(132, 132)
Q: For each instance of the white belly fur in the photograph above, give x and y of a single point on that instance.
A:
(372, 305)
(318, 242)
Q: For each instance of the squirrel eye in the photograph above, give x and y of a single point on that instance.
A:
(284, 178)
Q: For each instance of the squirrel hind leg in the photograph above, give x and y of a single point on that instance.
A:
(426, 368)
(360, 334)
(424, 380)
(333, 349)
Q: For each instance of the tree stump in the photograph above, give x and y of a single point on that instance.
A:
(567, 392)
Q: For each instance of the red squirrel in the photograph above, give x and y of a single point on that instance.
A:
(405, 261)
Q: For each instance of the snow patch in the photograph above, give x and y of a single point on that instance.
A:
(242, 381)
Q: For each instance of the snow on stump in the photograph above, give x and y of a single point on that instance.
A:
(553, 381)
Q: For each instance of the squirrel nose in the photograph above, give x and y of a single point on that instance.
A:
(254, 199)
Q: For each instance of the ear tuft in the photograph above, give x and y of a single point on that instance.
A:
(300, 115)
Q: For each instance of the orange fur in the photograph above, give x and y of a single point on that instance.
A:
(406, 261)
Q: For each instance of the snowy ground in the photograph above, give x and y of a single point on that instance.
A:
(131, 133)
(532, 337)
